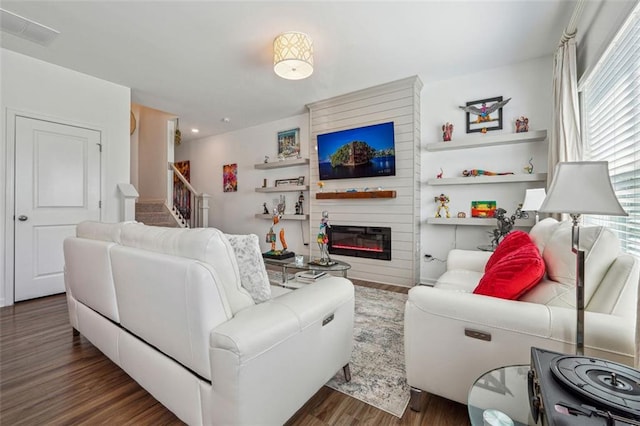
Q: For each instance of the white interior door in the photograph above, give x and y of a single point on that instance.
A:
(57, 182)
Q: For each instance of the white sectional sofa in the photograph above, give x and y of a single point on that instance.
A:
(453, 336)
(168, 306)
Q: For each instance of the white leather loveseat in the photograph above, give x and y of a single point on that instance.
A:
(453, 336)
(168, 307)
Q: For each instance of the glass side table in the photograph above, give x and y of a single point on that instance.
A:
(504, 389)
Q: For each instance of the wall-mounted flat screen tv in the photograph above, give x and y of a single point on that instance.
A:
(354, 153)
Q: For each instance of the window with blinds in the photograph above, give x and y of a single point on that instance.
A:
(611, 117)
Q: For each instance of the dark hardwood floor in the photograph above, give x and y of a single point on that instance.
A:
(47, 376)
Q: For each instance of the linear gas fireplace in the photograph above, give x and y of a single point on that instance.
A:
(360, 241)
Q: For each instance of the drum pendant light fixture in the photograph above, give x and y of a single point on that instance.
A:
(293, 55)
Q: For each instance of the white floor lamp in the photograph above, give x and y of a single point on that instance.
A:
(581, 187)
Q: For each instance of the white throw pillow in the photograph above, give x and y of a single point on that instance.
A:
(253, 274)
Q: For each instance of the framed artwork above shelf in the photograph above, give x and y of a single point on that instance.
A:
(485, 140)
(521, 177)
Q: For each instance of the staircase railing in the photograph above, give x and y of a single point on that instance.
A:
(190, 207)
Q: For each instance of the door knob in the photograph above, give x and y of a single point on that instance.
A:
(22, 218)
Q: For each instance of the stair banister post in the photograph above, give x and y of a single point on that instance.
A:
(128, 196)
(203, 210)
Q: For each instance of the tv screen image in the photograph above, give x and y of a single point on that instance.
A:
(354, 153)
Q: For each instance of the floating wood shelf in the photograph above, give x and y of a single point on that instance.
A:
(280, 164)
(284, 188)
(477, 221)
(284, 216)
(485, 140)
(471, 180)
(343, 195)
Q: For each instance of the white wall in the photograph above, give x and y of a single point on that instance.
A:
(528, 84)
(152, 153)
(233, 212)
(35, 87)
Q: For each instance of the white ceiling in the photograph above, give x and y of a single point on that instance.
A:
(206, 60)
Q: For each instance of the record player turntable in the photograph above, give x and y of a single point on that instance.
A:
(567, 390)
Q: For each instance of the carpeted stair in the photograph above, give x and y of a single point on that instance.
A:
(154, 213)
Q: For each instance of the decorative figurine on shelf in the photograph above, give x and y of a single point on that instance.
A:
(522, 124)
(320, 186)
(443, 200)
(462, 215)
(323, 242)
(265, 210)
(299, 204)
(278, 212)
(479, 172)
(439, 175)
(506, 224)
(529, 168)
(447, 131)
(519, 214)
(484, 112)
(266, 158)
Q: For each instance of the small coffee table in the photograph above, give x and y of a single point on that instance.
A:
(504, 389)
(287, 264)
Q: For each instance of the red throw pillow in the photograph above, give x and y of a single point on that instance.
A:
(513, 275)
(509, 244)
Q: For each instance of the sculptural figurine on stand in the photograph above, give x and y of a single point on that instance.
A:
(323, 242)
(271, 235)
(505, 223)
(299, 208)
(443, 200)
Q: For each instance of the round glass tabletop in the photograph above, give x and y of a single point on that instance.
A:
(501, 391)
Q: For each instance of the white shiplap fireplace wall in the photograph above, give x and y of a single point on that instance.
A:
(399, 102)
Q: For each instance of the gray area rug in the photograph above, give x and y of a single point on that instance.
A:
(377, 363)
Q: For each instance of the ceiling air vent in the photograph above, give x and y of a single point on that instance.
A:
(26, 28)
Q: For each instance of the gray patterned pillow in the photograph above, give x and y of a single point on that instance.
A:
(253, 274)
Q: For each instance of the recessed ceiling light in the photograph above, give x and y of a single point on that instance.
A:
(194, 130)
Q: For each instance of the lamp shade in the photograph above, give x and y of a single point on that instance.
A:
(293, 55)
(533, 199)
(582, 187)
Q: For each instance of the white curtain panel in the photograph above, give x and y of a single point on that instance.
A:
(565, 143)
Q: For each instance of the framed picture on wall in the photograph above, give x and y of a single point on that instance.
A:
(230, 177)
(289, 143)
(484, 114)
